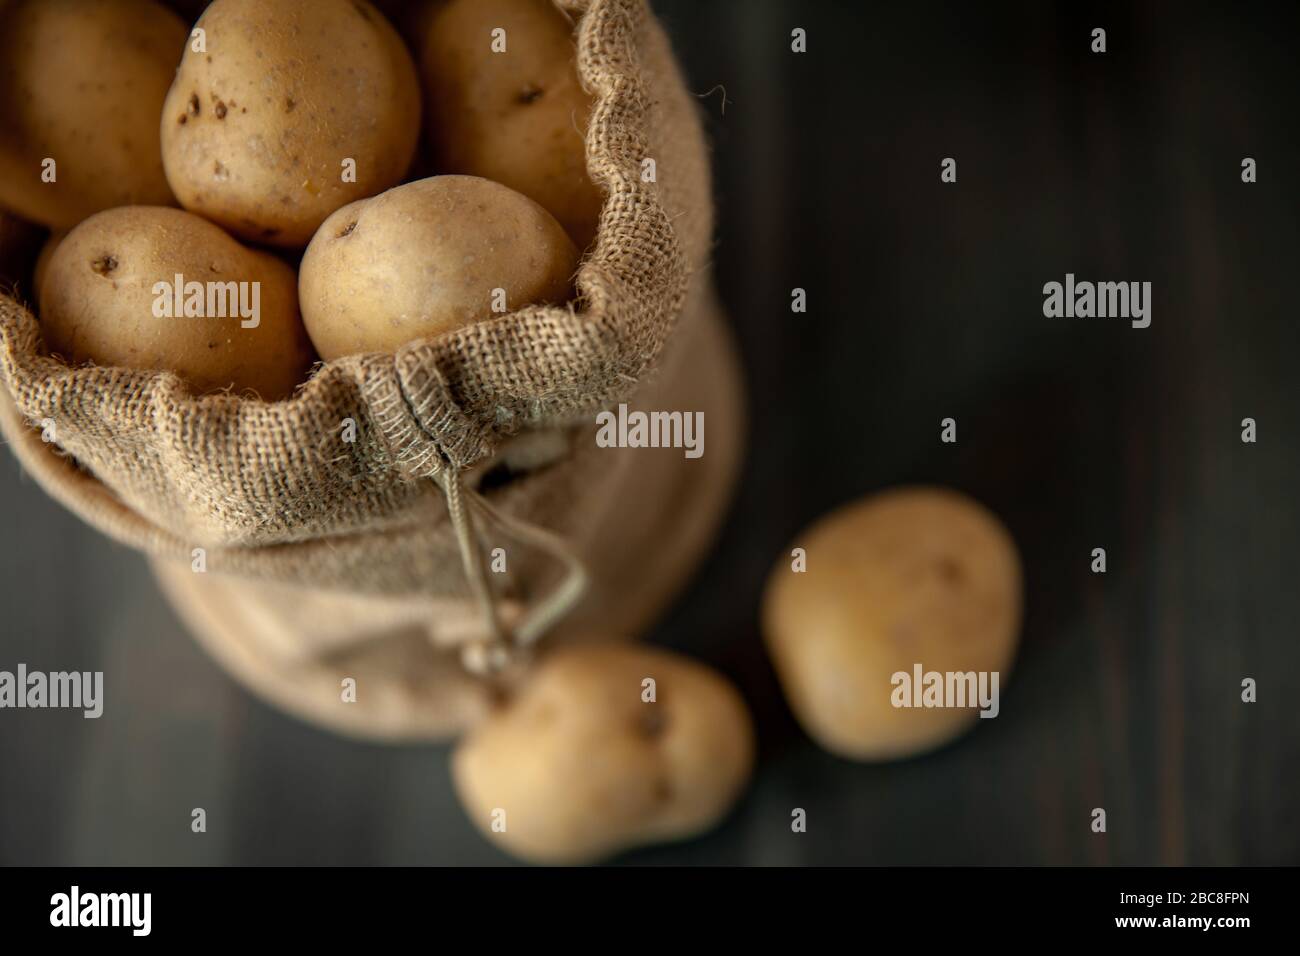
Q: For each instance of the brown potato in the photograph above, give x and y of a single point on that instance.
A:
(426, 258)
(82, 83)
(293, 110)
(518, 117)
(579, 766)
(909, 576)
(110, 286)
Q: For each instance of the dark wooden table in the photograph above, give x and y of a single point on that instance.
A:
(925, 301)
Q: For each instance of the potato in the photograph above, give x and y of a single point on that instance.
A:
(579, 766)
(109, 297)
(518, 117)
(910, 576)
(425, 258)
(294, 110)
(82, 83)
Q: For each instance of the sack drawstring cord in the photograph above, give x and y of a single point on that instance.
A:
(496, 651)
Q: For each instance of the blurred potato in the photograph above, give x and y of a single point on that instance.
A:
(110, 284)
(579, 766)
(908, 576)
(518, 117)
(82, 84)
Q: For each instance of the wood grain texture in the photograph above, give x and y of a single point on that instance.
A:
(924, 302)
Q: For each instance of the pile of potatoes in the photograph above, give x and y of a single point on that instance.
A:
(382, 183)
(361, 183)
(376, 182)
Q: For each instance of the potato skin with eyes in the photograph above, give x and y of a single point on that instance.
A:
(256, 130)
(98, 298)
(518, 117)
(82, 83)
(423, 259)
(907, 576)
(584, 768)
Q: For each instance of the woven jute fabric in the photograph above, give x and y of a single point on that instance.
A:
(294, 646)
(273, 490)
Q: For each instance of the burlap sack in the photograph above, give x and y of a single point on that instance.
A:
(272, 491)
(294, 646)
(359, 539)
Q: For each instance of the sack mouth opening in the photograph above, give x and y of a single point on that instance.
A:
(489, 381)
(592, 313)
